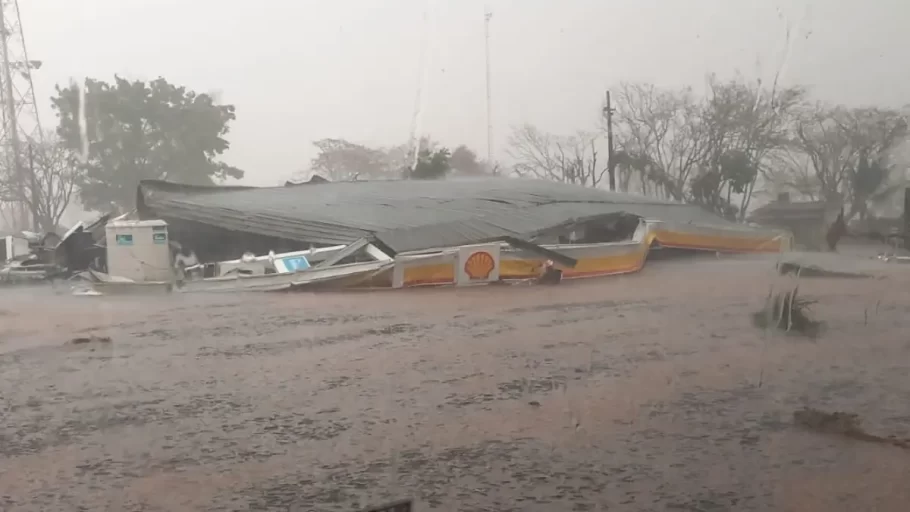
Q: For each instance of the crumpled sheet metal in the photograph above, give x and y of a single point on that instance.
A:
(408, 215)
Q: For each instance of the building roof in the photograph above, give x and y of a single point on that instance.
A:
(783, 211)
(406, 215)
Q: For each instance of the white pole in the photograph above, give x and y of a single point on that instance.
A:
(488, 14)
(423, 75)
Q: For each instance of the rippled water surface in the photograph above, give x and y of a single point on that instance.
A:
(646, 392)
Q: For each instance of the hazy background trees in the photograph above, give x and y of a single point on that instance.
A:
(721, 147)
(718, 147)
(142, 130)
(343, 160)
(568, 159)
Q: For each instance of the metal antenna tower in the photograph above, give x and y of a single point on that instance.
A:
(487, 16)
(21, 125)
(422, 76)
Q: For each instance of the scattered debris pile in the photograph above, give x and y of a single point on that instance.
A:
(818, 264)
(388, 234)
(26, 256)
(426, 233)
(842, 424)
(787, 312)
(404, 216)
(83, 340)
(29, 257)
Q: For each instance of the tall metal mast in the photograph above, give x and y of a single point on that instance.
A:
(422, 78)
(21, 125)
(488, 15)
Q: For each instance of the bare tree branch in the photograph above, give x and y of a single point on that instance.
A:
(656, 132)
(849, 151)
(541, 155)
(51, 175)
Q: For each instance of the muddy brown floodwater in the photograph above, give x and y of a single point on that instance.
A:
(639, 393)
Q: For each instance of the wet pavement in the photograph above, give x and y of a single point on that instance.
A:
(637, 393)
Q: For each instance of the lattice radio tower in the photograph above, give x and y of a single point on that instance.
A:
(21, 125)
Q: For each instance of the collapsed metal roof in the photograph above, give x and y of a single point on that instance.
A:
(405, 215)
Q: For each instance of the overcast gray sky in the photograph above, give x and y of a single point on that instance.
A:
(300, 70)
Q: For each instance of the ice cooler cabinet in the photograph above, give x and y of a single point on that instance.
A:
(138, 250)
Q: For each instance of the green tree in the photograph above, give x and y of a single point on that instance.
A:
(431, 165)
(464, 160)
(743, 123)
(675, 142)
(733, 173)
(139, 130)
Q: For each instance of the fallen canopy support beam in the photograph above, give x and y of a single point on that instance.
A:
(549, 254)
(350, 250)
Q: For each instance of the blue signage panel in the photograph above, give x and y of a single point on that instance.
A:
(295, 263)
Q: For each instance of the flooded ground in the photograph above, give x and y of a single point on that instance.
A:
(640, 393)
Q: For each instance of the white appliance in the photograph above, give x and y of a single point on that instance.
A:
(139, 250)
(13, 247)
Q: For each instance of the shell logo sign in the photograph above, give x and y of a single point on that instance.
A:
(479, 266)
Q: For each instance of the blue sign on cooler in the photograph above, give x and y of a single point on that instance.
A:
(295, 263)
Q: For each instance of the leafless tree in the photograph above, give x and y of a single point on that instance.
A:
(341, 160)
(542, 155)
(749, 119)
(849, 150)
(787, 169)
(50, 178)
(717, 149)
(657, 137)
(675, 142)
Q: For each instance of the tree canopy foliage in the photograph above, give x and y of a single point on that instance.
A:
(340, 160)
(465, 161)
(343, 160)
(431, 165)
(136, 130)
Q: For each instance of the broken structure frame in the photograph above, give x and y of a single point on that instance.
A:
(413, 229)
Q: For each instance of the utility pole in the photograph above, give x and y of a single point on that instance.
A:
(611, 154)
(17, 102)
(487, 16)
(34, 193)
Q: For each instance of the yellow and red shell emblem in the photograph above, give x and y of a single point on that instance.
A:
(479, 265)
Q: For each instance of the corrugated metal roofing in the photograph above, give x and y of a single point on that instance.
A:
(405, 215)
(785, 211)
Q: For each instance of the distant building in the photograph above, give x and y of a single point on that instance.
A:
(809, 221)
